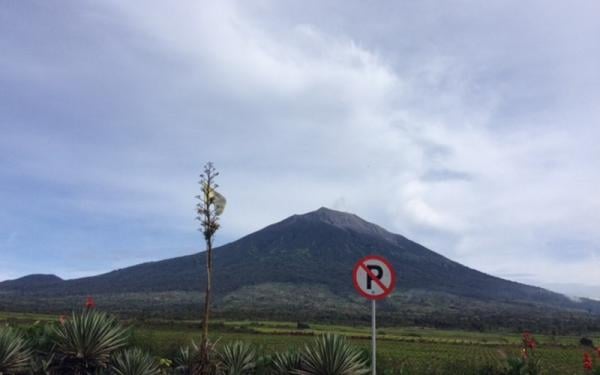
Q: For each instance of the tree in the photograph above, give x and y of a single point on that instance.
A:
(209, 209)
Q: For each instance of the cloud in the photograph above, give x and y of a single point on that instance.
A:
(466, 128)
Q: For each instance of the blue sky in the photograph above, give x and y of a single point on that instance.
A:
(470, 127)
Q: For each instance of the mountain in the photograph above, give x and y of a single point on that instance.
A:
(31, 282)
(304, 264)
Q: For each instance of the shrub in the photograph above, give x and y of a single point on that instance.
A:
(134, 362)
(185, 358)
(528, 363)
(182, 358)
(15, 356)
(85, 342)
(40, 337)
(586, 342)
(41, 341)
(286, 363)
(238, 358)
(332, 355)
(192, 359)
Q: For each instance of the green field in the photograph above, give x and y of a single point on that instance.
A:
(416, 350)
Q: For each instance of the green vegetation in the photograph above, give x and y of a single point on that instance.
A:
(84, 342)
(278, 346)
(331, 354)
(238, 358)
(289, 302)
(134, 361)
(412, 350)
(286, 362)
(15, 356)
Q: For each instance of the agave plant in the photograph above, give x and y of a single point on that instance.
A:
(238, 358)
(286, 363)
(192, 359)
(15, 356)
(85, 342)
(185, 358)
(134, 362)
(332, 355)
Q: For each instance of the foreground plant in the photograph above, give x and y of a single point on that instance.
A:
(209, 209)
(238, 358)
(528, 363)
(332, 355)
(196, 360)
(286, 362)
(85, 341)
(15, 356)
(185, 358)
(134, 362)
(41, 341)
(588, 363)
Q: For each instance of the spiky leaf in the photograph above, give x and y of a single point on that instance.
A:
(134, 362)
(86, 340)
(285, 363)
(15, 356)
(238, 358)
(332, 355)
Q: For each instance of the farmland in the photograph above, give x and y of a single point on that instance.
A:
(412, 349)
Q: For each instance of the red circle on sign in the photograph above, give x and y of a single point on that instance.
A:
(386, 290)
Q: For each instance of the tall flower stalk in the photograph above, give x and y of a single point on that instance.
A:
(209, 209)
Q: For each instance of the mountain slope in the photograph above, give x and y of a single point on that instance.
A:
(31, 282)
(317, 249)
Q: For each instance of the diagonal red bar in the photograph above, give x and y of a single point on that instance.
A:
(374, 278)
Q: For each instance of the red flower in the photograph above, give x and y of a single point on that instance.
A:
(598, 351)
(62, 319)
(90, 303)
(587, 361)
(529, 340)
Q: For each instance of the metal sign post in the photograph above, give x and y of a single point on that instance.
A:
(374, 278)
(373, 338)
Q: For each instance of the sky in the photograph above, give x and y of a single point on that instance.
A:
(470, 127)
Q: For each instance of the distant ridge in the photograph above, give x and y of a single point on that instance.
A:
(31, 282)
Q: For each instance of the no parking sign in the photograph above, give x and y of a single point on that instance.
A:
(374, 278)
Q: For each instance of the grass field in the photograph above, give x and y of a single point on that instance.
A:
(418, 350)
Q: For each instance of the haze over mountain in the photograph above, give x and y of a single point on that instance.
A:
(302, 258)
